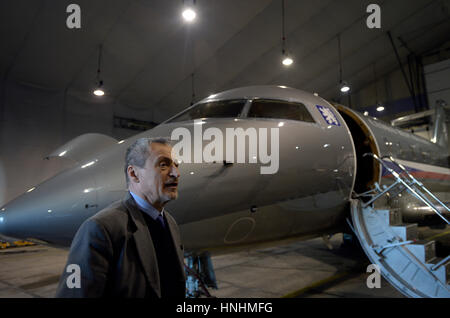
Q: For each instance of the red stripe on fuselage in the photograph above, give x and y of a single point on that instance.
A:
(425, 175)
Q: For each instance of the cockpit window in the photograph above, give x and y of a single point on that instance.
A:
(279, 110)
(218, 109)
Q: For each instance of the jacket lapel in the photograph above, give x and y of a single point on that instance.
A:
(144, 244)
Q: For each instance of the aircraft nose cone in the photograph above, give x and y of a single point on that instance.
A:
(48, 211)
(12, 215)
(2, 221)
(4, 230)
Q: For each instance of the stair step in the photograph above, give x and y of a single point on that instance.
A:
(443, 272)
(406, 232)
(404, 260)
(391, 217)
(425, 251)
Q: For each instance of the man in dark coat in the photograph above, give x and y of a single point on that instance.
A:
(132, 248)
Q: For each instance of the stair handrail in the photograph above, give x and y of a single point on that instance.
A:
(414, 180)
(399, 179)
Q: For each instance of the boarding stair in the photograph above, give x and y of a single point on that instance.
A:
(410, 265)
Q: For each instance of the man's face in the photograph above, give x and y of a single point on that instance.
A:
(158, 179)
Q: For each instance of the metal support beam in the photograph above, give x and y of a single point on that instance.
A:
(421, 75)
(401, 66)
(411, 60)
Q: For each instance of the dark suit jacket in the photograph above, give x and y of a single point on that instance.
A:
(115, 252)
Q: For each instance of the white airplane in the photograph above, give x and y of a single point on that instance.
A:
(319, 166)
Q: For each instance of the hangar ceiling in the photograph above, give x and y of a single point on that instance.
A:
(149, 53)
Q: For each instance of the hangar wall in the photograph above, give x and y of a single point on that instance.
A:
(34, 121)
(438, 82)
(393, 92)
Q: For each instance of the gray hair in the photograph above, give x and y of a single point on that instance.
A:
(138, 153)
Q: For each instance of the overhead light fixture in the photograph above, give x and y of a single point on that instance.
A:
(380, 107)
(189, 13)
(287, 61)
(286, 58)
(99, 89)
(343, 86)
(366, 113)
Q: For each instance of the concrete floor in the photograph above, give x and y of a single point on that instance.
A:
(299, 269)
(31, 271)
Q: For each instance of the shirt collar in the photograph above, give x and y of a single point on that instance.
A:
(146, 207)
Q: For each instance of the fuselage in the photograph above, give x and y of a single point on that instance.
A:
(231, 202)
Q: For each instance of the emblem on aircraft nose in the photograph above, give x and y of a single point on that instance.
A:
(328, 115)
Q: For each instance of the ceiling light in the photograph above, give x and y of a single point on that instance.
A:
(189, 15)
(380, 108)
(344, 87)
(366, 113)
(287, 61)
(99, 92)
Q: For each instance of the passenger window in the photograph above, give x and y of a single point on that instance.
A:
(279, 110)
(218, 109)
